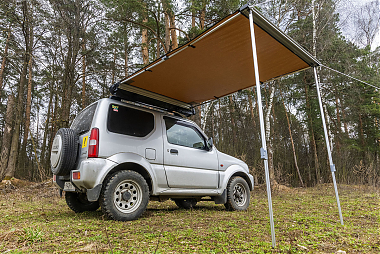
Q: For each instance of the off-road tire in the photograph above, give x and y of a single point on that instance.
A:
(68, 152)
(78, 202)
(185, 203)
(124, 196)
(238, 194)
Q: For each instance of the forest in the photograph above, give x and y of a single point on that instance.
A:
(59, 56)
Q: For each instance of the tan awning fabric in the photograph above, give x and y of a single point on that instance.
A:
(219, 62)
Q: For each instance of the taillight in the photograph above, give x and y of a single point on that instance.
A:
(93, 148)
(76, 175)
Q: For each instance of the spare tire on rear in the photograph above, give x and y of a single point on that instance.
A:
(64, 151)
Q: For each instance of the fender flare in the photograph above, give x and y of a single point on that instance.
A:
(130, 158)
(236, 170)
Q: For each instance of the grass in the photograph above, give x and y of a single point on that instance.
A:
(31, 235)
(34, 219)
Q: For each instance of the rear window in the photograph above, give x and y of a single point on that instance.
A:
(129, 121)
(82, 123)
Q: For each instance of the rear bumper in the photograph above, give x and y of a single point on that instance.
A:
(87, 176)
(91, 172)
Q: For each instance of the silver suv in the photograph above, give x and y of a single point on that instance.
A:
(120, 155)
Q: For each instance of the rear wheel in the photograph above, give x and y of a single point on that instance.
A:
(125, 196)
(185, 203)
(238, 194)
(78, 202)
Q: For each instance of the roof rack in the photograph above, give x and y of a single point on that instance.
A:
(138, 95)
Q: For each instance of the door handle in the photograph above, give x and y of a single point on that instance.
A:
(173, 151)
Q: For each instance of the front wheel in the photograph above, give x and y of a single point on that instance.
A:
(79, 203)
(125, 196)
(238, 194)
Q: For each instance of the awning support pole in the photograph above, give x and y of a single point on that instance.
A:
(263, 150)
(332, 165)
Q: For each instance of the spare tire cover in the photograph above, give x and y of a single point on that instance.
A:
(64, 151)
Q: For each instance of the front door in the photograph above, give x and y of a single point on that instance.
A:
(187, 162)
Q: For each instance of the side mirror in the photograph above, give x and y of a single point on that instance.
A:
(209, 144)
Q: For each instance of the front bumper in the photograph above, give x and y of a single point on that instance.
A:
(252, 182)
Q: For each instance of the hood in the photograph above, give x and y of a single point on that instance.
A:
(228, 160)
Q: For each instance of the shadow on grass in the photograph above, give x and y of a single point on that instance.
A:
(149, 212)
(196, 208)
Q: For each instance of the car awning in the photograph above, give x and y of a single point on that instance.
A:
(219, 62)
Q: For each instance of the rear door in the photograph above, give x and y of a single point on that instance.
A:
(82, 125)
(187, 162)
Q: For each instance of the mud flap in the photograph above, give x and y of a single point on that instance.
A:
(222, 199)
(93, 194)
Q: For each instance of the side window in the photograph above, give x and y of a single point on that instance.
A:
(182, 134)
(82, 123)
(129, 121)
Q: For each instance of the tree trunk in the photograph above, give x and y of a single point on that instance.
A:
(232, 117)
(192, 14)
(268, 137)
(4, 60)
(84, 76)
(170, 27)
(7, 135)
(11, 167)
(46, 129)
(202, 17)
(173, 31)
(213, 123)
(13, 156)
(327, 118)
(113, 67)
(65, 105)
(316, 162)
(199, 115)
(55, 126)
(294, 150)
(314, 17)
(338, 129)
(144, 41)
(344, 118)
(220, 136)
(361, 131)
(28, 98)
(207, 111)
(126, 58)
(251, 108)
(72, 26)
(167, 30)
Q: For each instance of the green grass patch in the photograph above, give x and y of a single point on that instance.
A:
(37, 220)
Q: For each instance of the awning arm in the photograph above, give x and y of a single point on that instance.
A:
(263, 149)
(332, 165)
